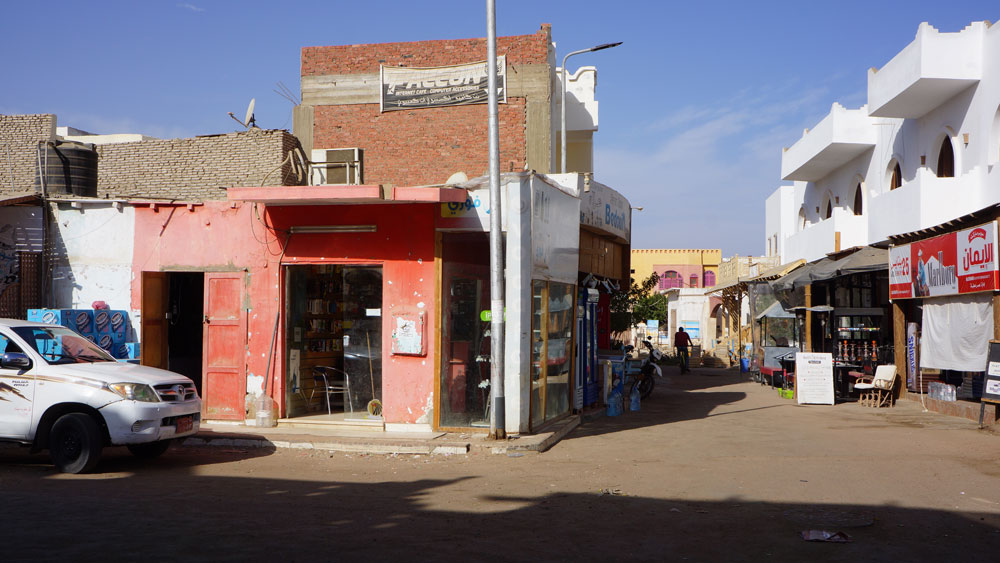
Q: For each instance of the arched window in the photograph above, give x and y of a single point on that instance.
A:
(670, 279)
(858, 203)
(946, 159)
(829, 210)
(694, 280)
(802, 218)
(709, 279)
(896, 180)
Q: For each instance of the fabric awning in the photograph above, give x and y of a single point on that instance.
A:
(776, 311)
(867, 259)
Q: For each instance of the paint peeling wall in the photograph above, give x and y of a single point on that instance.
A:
(220, 236)
(92, 256)
(215, 237)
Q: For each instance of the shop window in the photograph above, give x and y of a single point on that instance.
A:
(858, 201)
(709, 279)
(896, 179)
(670, 279)
(694, 280)
(946, 159)
(552, 308)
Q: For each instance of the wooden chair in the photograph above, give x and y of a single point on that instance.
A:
(878, 391)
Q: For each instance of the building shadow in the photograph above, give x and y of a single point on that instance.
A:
(166, 513)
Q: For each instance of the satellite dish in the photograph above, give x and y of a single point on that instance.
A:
(248, 121)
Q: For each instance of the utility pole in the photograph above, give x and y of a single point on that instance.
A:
(497, 410)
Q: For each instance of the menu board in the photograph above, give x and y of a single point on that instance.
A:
(991, 382)
(814, 378)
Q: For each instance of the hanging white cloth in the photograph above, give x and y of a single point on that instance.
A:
(956, 332)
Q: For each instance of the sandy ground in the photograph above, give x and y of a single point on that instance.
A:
(713, 468)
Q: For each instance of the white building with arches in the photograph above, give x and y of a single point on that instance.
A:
(923, 151)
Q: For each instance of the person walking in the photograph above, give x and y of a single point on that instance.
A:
(681, 343)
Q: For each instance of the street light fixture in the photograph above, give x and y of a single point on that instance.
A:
(596, 48)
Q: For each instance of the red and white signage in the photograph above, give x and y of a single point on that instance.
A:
(950, 264)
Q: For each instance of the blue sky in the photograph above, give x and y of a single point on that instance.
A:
(695, 106)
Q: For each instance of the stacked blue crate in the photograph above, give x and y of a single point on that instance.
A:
(79, 320)
(107, 328)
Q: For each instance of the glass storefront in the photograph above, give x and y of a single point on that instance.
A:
(552, 308)
(333, 328)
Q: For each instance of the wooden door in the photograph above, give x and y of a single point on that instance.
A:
(154, 319)
(224, 350)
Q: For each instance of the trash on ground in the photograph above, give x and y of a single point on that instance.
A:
(613, 492)
(825, 536)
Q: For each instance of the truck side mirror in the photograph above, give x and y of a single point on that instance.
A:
(15, 360)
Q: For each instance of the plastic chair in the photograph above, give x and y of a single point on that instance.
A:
(325, 378)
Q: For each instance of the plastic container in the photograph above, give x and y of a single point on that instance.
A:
(614, 403)
(265, 412)
(634, 399)
(744, 365)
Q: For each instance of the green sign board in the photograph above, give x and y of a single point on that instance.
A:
(487, 315)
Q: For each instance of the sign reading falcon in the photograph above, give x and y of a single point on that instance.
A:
(458, 85)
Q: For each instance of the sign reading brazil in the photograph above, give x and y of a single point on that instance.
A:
(413, 88)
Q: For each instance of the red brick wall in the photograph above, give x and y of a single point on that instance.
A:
(356, 59)
(423, 146)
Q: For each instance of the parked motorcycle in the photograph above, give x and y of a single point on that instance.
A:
(644, 378)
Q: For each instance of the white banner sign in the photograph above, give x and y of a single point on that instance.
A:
(814, 378)
(458, 85)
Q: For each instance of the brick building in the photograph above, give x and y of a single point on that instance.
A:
(340, 108)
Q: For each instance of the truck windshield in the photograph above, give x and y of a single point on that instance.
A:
(60, 345)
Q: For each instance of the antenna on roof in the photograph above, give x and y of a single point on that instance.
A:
(249, 120)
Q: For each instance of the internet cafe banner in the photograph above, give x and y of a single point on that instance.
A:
(950, 264)
(413, 88)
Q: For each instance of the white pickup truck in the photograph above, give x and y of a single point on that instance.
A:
(60, 391)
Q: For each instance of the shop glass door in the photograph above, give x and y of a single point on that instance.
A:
(464, 384)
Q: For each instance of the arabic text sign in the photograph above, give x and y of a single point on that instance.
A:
(949, 264)
(413, 88)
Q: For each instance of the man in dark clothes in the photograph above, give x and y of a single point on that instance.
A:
(681, 343)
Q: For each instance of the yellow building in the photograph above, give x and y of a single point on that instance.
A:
(677, 267)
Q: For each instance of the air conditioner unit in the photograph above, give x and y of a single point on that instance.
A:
(335, 166)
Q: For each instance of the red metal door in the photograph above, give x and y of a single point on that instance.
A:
(224, 367)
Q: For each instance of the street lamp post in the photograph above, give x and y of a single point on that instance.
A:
(596, 48)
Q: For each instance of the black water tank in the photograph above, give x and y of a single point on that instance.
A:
(69, 168)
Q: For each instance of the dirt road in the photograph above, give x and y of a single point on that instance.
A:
(711, 469)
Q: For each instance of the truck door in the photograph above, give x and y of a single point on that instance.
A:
(17, 391)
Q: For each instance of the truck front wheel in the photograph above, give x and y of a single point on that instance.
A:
(75, 443)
